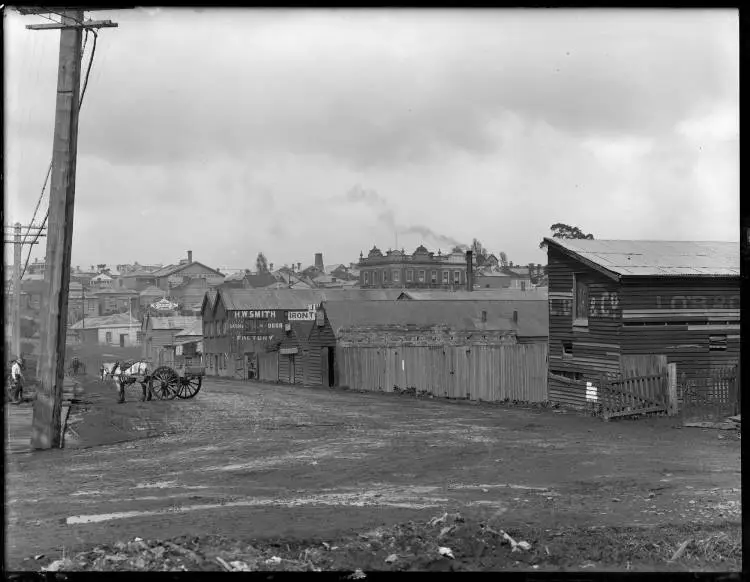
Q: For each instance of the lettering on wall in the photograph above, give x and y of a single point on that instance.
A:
(604, 304)
(698, 302)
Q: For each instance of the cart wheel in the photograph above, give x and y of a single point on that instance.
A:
(189, 387)
(163, 383)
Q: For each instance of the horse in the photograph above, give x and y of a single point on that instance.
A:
(124, 374)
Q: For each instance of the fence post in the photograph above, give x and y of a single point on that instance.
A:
(672, 389)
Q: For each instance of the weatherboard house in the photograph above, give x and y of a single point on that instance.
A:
(610, 299)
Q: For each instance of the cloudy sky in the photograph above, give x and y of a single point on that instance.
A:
(291, 132)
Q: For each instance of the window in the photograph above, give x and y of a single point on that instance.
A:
(139, 336)
(409, 276)
(421, 276)
(456, 277)
(445, 277)
(384, 276)
(433, 277)
(567, 349)
(580, 300)
(717, 343)
(108, 337)
(395, 276)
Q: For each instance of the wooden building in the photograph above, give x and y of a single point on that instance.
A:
(187, 269)
(188, 345)
(244, 328)
(108, 330)
(159, 337)
(609, 300)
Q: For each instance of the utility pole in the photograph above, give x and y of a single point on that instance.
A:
(48, 405)
(36, 232)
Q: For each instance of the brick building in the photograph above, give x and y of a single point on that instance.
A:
(420, 270)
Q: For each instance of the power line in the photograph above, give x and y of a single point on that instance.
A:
(49, 171)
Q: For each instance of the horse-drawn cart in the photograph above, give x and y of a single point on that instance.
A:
(166, 383)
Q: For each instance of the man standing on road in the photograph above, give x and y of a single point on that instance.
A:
(16, 376)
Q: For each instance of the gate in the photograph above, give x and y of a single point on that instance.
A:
(711, 397)
(621, 395)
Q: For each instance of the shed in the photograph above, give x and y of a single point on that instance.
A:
(611, 299)
(294, 352)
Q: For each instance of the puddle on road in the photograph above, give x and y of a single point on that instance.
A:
(496, 486)
(362, 499)
(339, 451)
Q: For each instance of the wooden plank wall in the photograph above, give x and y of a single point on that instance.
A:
(483, 373)
(567, 392)
(688, 320)
(268, 366)
(595, 350)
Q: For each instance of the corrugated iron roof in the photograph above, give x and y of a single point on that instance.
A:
(173, 322)
(116, 320)
(194, 329)
(533, 317)
(241, 299)
(115, 292)
(642, 258)
(171, 269)
(476, 295)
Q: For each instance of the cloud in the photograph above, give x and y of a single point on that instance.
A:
(376, 89)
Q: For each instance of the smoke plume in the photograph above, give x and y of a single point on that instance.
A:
(386, 215)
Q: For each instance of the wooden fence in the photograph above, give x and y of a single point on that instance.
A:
(714, 396)
(483, 373)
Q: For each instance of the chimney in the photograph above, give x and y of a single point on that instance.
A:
(319, 261)
(515, 316)
(469, 272)
(190, 257)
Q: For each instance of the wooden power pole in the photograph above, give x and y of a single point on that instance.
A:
(17, 242)
(48, 405)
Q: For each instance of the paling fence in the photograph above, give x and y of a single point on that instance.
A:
(711, 396)
(486, 373)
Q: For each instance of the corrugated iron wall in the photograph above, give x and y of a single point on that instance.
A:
(486, 373)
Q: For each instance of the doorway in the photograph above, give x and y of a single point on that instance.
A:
(331, 361)
(291, 369)
(122, 340)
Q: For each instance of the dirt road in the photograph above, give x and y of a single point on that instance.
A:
(266, 461)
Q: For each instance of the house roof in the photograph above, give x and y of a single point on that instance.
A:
(194, 329)
(241, 299)
(115, 292)
(116, 320)
(151, 290)
(260, 280)
(642, 258)
(139, 273)
(458, 315)
(172, 269)
(180, 322)
(477, 295)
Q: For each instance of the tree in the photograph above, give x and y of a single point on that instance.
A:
(480, 253)
(503, 260)
(261, 263)
(560, 230)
